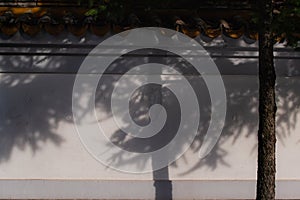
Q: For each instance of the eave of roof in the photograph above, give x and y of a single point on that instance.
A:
(209, 23)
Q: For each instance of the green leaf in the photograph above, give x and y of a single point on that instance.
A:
(92, 12)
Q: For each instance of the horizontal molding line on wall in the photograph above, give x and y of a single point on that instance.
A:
(139, 189)
(132, 55)
(90, 46)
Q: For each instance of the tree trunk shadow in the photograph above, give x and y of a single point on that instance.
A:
(162, 183)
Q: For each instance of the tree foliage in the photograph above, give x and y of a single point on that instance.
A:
(286, 23)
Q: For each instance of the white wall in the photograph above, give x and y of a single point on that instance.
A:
(40, 148)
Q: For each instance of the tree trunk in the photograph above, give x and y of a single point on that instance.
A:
(267, 107)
